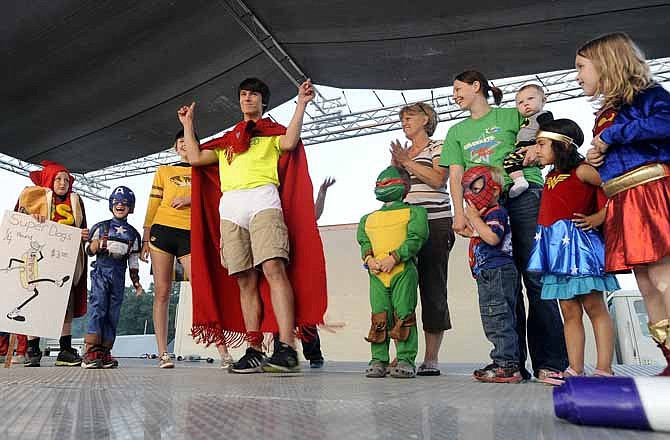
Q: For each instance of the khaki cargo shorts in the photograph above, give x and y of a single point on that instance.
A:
(266, 238)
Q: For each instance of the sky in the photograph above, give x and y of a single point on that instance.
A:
(355, 164)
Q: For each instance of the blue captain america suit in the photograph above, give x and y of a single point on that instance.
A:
(119, 248)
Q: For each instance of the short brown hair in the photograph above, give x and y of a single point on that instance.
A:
(531, 86)
(421, 108)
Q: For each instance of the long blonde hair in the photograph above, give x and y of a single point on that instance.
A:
(622, 68)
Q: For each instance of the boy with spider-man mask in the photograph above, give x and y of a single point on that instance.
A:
(493, 267)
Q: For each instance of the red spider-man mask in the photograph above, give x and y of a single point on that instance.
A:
(479, 188)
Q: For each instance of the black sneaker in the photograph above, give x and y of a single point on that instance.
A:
(251, 362)
(68, 357)
(316, 363)
(283, 360)
(494, 373)
(33, 358)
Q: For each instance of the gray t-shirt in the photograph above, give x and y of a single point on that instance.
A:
(529, 128)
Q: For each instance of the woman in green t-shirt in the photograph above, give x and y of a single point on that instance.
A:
(484, 138)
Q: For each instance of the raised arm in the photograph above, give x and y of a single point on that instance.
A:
(194, 154)
(321, 197)
(289, 141)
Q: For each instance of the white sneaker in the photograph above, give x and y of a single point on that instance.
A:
(165, 362)
(227, 361)
(16, 315)
(19, 359)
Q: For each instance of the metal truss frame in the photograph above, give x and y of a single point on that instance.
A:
(329, 122)
(90, 187)
(264, 39)
(559, 86)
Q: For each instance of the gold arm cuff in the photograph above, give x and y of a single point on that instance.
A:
(636, 177)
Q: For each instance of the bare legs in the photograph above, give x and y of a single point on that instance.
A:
(594, 305)
(281, 293)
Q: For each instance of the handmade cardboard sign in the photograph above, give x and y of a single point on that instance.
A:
(37, 262)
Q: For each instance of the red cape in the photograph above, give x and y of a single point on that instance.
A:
(217, 315)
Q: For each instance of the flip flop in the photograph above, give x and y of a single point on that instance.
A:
(425, 370)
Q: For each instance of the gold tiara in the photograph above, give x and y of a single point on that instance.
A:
(554, 136)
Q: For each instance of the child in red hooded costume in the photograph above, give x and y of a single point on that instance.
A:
(52, 199)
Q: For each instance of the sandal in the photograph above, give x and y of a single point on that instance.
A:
(550, 377)
(569, 372)
(403, 370)
(601, 373)
(376, 369)
(428, 370)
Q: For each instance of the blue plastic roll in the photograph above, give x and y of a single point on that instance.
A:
(618, 402)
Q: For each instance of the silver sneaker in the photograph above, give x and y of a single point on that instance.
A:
(165, 362)
(19, 359)
(227, 361)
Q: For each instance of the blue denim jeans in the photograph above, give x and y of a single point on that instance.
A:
(497, 303)
(544, 325)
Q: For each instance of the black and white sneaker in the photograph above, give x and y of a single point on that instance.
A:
(283, 360)
(33, 358)
(16, 315)
(251, 362)
(68, 357)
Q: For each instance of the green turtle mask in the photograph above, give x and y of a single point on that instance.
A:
(390, 187)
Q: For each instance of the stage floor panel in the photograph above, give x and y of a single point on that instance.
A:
(201, 401)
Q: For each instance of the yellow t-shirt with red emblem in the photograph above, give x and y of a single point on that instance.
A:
(255, 167)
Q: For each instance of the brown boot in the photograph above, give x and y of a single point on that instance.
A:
(377, 333)
(402, 327)
(660, 333)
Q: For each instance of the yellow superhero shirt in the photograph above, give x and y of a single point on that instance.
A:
(170, 182)
(255, 167)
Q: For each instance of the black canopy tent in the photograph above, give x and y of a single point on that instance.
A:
(94, 84)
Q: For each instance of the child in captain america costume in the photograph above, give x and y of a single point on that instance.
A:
(116, 245)
(390, 238)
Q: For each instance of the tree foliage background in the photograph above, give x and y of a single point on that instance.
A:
(136, 313)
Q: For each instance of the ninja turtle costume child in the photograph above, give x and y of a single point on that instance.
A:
(390, 238)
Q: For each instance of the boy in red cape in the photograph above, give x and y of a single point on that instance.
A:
(240, 207)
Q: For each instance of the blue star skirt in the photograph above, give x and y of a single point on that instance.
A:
(571, 260)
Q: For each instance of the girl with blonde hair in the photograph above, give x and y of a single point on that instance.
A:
(631, 148)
